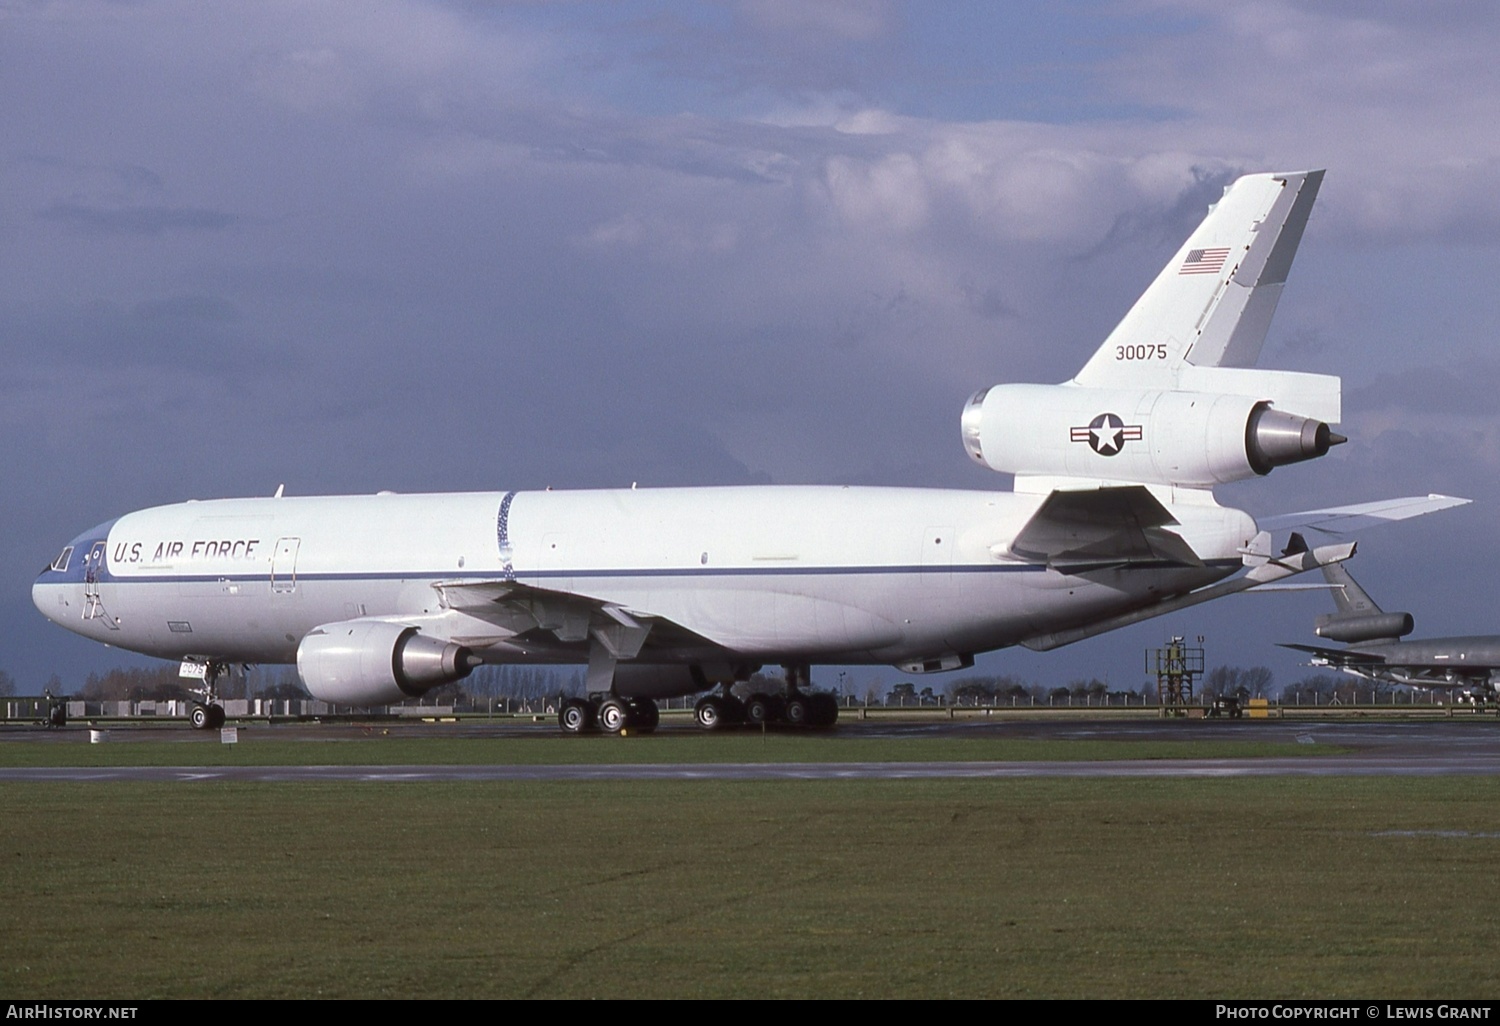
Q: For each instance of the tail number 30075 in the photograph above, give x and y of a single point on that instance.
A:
(1149, 351)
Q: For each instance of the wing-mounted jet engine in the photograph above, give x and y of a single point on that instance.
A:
(369, 662)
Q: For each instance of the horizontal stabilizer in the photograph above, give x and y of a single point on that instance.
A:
(1266, 573)
(1104, 527)
(1267, 588)
(1342, 520)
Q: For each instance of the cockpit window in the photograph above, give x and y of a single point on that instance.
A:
(61, 562)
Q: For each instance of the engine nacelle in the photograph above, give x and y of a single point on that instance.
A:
(1375, 626)
(1191, 439)
(371, 662)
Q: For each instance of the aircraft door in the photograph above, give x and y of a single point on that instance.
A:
(93, 570)
(284, 566)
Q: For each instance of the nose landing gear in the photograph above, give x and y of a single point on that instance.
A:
(207, 713)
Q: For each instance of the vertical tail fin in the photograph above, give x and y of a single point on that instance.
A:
(1348, 596)
(1212, 304)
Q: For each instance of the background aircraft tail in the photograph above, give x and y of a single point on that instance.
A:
(1358, 618)
(1348, 596)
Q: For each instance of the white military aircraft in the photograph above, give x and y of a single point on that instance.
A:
(666, 592)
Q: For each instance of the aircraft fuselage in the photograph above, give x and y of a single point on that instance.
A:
(754, 574)
(1425, 661)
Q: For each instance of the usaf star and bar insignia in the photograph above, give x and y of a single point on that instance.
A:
(1107, 434)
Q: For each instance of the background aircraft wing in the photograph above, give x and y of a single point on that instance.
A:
(1338, 656)
(1342, 520)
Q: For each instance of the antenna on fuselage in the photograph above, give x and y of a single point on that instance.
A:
(279, 489)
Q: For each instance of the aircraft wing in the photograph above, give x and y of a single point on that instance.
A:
(563, 619)
(1083, 530)
(1342, 520)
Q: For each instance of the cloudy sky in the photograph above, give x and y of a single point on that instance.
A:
(466, 245)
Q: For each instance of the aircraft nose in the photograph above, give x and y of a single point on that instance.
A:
(47, 591)
(40, 597)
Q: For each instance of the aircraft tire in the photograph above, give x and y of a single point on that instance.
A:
(824, 710)
(798, 711)
(199, 717)
(644, 715)
(574, 717)
(614, 715)
(215, 717)
(758, 710)
(709, 714)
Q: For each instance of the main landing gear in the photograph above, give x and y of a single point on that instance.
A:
(792, 708)
(606, 710)
(608, 713)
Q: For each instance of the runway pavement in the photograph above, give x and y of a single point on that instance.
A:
(1416, 748)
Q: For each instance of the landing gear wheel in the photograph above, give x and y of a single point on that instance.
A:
(215, 717)
(824, 711)
(199, 717)
(574, 717)
(709, 714)
(644, 715)
(614, 715)
(798, 711)
(758, 710)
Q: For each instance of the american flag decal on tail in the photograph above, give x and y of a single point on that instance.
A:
(1204, 261)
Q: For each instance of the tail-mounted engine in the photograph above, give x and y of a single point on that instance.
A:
(1373, 627)
(1185, 438)
(372, 662)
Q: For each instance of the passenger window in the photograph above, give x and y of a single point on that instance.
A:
(61, 562)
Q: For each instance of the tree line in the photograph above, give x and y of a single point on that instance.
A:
(519, 683)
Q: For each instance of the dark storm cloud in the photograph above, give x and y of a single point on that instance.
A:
(479, 246)
(1168, 222)
(785, 45)
(197, 334)
(153, 220)
(1468, 390)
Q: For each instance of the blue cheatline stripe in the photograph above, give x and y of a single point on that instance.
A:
(693, 573)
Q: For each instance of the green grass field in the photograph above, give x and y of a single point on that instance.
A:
(1331, 887)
